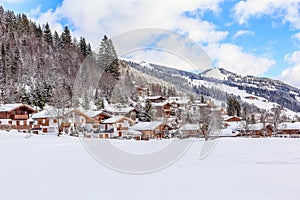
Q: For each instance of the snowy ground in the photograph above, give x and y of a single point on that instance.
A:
(48, 167)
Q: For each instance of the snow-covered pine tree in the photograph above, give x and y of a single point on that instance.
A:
(48, 35)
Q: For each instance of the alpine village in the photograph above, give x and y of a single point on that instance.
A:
(53, 83)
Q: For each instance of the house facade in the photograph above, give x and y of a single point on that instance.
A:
(16, 116)
(155, 129)
(114, 127)
(45, 122)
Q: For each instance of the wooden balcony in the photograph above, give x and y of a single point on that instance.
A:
(20, 117)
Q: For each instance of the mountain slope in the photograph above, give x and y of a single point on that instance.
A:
(218, 83)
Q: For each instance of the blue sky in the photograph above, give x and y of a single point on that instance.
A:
(253, 37)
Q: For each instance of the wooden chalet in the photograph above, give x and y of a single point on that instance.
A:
(16, 116)
(116, 126)
(162, 109)
(289, 128)
(155, 99)
(45, 121)
(143, 91)
(129, 112)
(190, 130)
(155, 129)
(97, 116)
(259, 130)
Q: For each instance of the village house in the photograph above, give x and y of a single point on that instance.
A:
(196, 107)
(155, 99)
(16, 116)
(129, 112)
(154, 129)
(290, 129)
(260, 130)
(189, 130)
(115, 127)
(97, 116)
(45, 121)
(143, 91)
(162, 110)
(179, 103)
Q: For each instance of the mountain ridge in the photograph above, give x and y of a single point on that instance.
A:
(219, 83)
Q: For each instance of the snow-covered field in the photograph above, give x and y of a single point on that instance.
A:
(49, 167)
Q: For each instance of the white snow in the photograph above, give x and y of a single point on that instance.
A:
(214, 73)
(49, 167)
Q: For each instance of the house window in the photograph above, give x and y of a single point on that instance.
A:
(54, 121)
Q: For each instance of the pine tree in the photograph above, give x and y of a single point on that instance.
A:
(89, 49)
(86, 102)
(108, 58)
(56, 38)
(66, 38)
(48, 35)
(233, 106)
(83, 46)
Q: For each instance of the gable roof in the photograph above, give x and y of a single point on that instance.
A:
(161, 104)
(189, 127)
(119, 110)
(116, 119)
(43, 114)
(289, 126)
(13, 106)
(94, 113)
(146, 126)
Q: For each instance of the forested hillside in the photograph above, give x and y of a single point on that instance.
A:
(35, 61)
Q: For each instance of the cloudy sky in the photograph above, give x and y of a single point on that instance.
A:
(255, 37)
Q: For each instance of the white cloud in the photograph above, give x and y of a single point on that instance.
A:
(235, 59)
(241, 33)
(288, 11)
(93, 18)
(291, 74)
(296, 36)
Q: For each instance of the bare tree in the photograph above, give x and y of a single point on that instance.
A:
(246, 116)
(277, 110)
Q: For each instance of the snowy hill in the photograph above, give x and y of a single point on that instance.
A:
(218, 83)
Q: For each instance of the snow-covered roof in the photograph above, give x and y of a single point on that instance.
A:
(9, 107)
(50, 112)
(94, 113)
(134, 132)
(42, 114)
(115, 119)
(189, 127)
(256, 127)
(289, 126)
(154, 97)
(160, 104)
(200, 104)
(119, 110)
(147, 126)
(182, 101)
